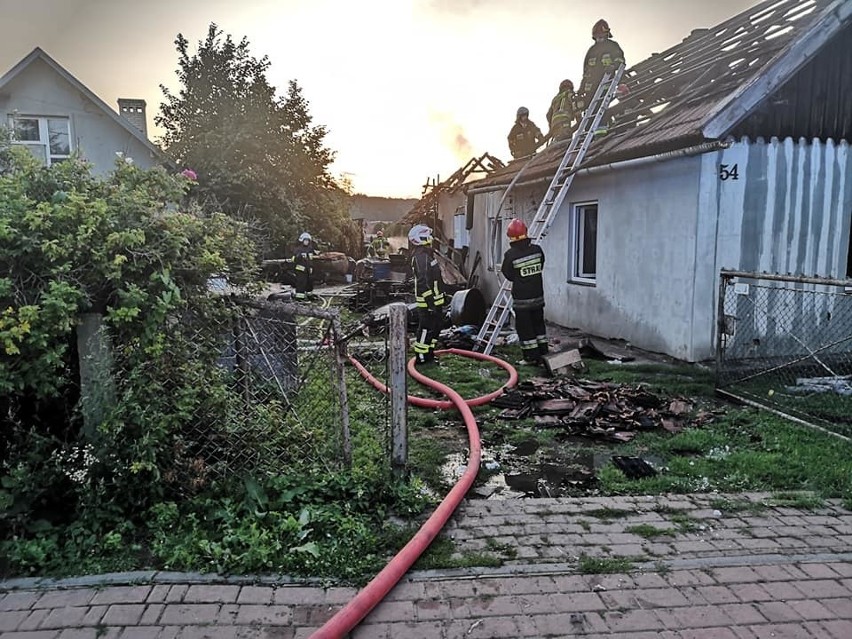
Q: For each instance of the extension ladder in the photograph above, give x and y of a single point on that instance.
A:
(486, 339)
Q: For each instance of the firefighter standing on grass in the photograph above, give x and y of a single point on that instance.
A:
(522, 265)
(428, 292)
(303, 266)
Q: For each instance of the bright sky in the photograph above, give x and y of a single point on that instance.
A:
(408, 89)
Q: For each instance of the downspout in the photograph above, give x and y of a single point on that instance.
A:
(705, 147)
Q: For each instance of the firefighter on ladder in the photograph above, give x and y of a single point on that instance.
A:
(428, 292)
(303, 266)
(522, 266)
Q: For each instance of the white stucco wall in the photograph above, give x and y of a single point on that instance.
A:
(647, 223)
(40, 91)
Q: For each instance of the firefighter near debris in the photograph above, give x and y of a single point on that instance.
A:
(522, 265)
(603, 57)
(303, 257)
(380, 246)
(428, 292)
(525, 137)
(560, 115)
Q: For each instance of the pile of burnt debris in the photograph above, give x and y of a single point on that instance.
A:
(600, 410)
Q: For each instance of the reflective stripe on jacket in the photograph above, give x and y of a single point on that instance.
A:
(428, 283)
(522, 265)
(601, 58)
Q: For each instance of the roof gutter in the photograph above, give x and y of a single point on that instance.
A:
(705, 147)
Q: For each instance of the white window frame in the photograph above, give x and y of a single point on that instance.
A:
(576, 273)
(44, 136)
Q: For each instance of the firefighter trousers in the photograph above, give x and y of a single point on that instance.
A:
(428, 328)
(532, 334)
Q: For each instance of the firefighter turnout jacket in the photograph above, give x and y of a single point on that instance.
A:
(524, 139)
(522, 265)
(303, 259)
(428, 282)
(603, 57)
(561, 113)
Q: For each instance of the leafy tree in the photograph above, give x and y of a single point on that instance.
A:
(258, 156)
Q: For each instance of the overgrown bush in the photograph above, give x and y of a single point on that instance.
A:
(124, 249)
(127, 486)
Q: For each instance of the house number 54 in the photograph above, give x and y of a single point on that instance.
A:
(728, 172)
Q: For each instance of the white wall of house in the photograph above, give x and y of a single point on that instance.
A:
(644, 287)
(666, 229)
(40, 92)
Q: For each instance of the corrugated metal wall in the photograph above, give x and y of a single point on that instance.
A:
(788, 212)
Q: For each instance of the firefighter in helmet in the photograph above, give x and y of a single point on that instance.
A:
(603, 57)
(302, 261)
(522, 265)
(560, 115)
(428, 292)
(525, 137)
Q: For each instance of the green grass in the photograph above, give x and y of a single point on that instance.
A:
(743, 450)
(648, 531)
(441, 555)
(680, 379)
(801, 501)
(604, 565)
(733, 506)
(608, 513)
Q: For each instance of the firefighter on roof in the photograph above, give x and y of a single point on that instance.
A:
(560, 115)
(603, 57)
(522, 265)
(525, 137)
(428, 292)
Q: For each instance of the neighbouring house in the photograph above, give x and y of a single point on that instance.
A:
(730, 151)
(53, 114)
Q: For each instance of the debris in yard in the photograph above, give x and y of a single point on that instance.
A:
(604, 411)
(633, 467)
(678, 407)
(842, 385)
(589, 349)
(563, 362)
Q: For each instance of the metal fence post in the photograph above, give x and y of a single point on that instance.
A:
(242, 364)
(398, 347)
(343, 398)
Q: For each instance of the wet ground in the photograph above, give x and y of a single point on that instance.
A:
(533, 470)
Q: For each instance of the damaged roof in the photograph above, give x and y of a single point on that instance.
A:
(703, 88)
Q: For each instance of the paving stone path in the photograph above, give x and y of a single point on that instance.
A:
(735, 567)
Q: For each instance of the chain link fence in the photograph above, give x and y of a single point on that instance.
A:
(366, 338)
(271, 396)
(785, 343)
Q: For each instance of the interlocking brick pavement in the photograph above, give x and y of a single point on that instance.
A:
(703, 580)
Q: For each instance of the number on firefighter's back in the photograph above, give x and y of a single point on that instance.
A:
(728, 172)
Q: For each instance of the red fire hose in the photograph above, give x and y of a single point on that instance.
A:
(424, 402)
(360, 606)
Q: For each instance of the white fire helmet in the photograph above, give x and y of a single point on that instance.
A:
(420, 235)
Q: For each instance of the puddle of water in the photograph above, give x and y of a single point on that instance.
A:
(530, 470)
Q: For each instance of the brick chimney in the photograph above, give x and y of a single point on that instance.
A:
(133, 110)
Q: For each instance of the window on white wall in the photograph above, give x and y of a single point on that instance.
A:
(584, 253)
(48, 139)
